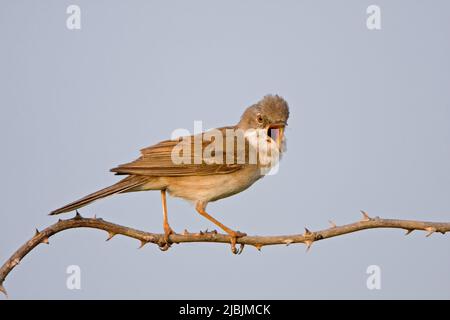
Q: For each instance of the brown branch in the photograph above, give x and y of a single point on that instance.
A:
(258, 242)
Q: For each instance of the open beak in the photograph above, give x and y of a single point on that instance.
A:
(276, 132)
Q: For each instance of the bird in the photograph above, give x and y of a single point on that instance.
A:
(205, 167)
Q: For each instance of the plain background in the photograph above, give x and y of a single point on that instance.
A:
(369, 129)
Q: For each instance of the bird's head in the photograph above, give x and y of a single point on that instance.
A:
(269, 114)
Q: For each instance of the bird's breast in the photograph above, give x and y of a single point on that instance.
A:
(212, 187)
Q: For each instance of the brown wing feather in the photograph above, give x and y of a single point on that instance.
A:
(157, 160)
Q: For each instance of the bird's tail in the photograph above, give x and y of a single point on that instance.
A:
(121, 186)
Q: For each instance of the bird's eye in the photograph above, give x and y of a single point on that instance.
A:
(259, 118)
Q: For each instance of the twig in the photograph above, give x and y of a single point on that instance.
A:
(308, 237)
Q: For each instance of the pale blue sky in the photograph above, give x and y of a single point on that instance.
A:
(369, 129)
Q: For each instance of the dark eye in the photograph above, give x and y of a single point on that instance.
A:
(259, 118)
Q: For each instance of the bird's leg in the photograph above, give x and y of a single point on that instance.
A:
(200, 207)
(167, 229)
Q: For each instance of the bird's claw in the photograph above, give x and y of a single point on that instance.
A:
(233, 241)
(241, 248)
(166, 244)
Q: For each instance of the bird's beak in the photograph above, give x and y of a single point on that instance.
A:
(276, 132)
(280, 137)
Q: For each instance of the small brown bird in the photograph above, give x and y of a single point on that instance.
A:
(206, 167)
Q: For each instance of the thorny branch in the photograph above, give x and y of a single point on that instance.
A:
(308, 237)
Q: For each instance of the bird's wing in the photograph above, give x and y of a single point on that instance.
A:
(158, 160)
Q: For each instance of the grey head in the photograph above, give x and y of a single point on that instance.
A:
(270, 112)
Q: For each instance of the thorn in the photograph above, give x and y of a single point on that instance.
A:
(95, 216)
(206, 231)
(59, 220)
(3, 290)
(214, 231)
(77, 215)
(110, 235)
(201, 232)
(308, 241)
(288, 242)
(408, 231)
(307, 232)
(258, 246)
(185, 232)
(365, 216)
(430, 230)
(308, 244)
(143, 243)
(45, 240)
(333, 225)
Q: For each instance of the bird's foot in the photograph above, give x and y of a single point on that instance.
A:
(234, 236)
(166, 244)
(167, 232)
